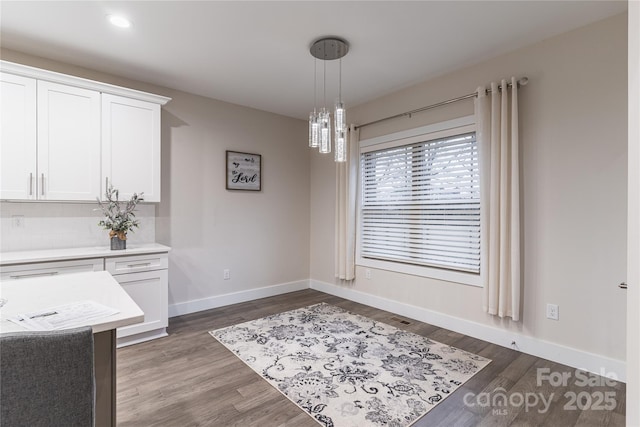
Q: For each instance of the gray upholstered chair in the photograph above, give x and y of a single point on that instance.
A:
(47, 378)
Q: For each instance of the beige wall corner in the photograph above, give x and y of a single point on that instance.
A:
(573, 124)
(633, 260)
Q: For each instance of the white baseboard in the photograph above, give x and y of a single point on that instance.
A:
(142, 337)
(216, 301)
(575, 358)
(569, 356)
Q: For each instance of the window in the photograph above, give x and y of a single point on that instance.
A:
(420, 203)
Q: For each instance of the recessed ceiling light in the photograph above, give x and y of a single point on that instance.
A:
(119, 21)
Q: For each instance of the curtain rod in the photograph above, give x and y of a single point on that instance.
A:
(521, 82)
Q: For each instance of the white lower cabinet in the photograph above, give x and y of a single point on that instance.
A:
(145, 278)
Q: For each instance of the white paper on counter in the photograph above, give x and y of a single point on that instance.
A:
(63, 316)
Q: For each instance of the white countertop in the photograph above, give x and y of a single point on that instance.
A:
(43, 255)
(27, 295)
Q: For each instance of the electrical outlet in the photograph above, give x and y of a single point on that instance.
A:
(226, 274)
(367, 273)
(553, 312)
(17, 221)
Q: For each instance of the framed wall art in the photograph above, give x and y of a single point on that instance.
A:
(244, 171)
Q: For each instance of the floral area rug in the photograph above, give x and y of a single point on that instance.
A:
(346, 370)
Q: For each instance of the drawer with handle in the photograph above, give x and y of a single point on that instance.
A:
(44, 269)
(136, 263)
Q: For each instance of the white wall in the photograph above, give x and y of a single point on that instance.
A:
(262, 237)
(573, 119)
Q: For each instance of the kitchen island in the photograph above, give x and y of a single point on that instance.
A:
(32, 294)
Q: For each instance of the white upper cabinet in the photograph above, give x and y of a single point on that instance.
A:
(131, 146)
(17, 137)
(68, 142)
(67, 138)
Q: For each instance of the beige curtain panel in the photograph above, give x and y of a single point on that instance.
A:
(497, 134)
(346, 194)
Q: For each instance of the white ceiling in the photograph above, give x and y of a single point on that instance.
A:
(257, 53)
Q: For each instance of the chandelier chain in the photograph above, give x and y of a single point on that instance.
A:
(324, 85)
(340, 81)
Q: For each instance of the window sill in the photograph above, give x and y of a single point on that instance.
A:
(429, 272)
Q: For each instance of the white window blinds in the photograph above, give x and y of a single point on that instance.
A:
(421, 204)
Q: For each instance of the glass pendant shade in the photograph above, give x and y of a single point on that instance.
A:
(339, 115)
(314, 131)
(320, 132)
(325, 131)
(341, 146)
(340, 129)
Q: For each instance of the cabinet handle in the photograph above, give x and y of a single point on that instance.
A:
(106, 184)
(31, 183)
(142, 264)
(22, 276)
(622, 285)
(43, 184)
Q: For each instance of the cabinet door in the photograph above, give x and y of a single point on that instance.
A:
(17, 137)
(150, 291)
(131, 146)
(68, 142)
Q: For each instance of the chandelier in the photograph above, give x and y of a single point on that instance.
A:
(328, 49)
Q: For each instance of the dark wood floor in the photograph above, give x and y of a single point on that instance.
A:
(190, 379)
